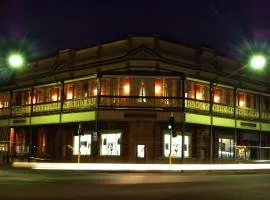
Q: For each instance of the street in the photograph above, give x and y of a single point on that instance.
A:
(35, 184)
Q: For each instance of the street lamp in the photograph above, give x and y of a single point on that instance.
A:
(15, 60)
(257, 61)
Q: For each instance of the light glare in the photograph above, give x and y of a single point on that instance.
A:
(15, 61)
(139, 167)
(257, 61)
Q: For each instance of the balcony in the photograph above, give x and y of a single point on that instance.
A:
(148, 102)
(135, 102)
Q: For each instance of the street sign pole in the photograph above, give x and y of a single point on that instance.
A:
(170, 155)
(79, 151)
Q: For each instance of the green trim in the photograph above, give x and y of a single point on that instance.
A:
(265, 127)
(198, 119)
(224, 122)
(78, 117)
(4, 122)
(49, 119)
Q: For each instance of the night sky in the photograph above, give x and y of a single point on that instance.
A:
(48, 26)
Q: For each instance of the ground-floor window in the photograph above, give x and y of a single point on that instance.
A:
(248, 145)
(226, 148)
(177, 145)
(83, 143)
(140, 151)
(110, 144)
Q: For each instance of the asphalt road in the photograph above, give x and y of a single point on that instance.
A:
(30, 184)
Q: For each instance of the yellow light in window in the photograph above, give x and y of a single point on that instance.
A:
(216, 99)
(157, 89)
(126, 89)
(242, 103)
(54, 97)
(69, 95)
(34, 100)
(95, 92)
(199, 96)
(1, 105)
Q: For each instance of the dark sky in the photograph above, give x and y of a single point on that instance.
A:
(48, 26)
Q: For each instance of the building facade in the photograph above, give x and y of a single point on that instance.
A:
(112, 102)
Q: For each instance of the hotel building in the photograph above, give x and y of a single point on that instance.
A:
(112, 103)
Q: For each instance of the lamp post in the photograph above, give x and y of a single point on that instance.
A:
(256, 62)
(13, 61)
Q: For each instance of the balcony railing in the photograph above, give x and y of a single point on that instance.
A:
(223, 109)
(5, 111)
(46, 107)
(140, 102)
(265, 115)
(197, 105)
(21, 110)
(145, 102)
(80, 104)
(219, 109)
(247, 112)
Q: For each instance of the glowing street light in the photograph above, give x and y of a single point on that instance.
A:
(257, 61)
(15, 60)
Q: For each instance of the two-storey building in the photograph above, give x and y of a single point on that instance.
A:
(120, 95)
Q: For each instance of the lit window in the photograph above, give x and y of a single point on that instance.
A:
(140, 151)
(142, 93)
(176, 146)
(85, 145)
(242, 100)
(226, 148)
(242, 103)
(199, 96)
(158, 88)
(95, 92)
(69, 95)
(216, 99)
(110, 144)
(54, 97)
(126, 88)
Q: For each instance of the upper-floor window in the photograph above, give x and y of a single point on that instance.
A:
(222, 95)
(265, 103)
(21, 97)
(80, 89)
(167, 87)
(46, 94)
(197, 90)
(4, 99)
(248, 100)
